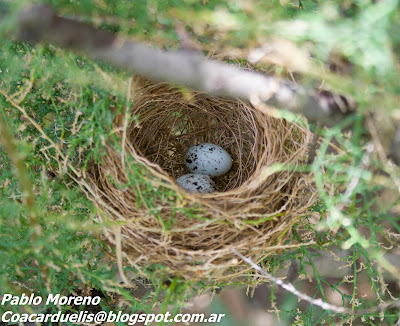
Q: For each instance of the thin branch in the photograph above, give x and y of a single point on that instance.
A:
(318, 302)
(39, 23)
(290, 288)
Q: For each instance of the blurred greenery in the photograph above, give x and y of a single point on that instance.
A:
(60, 90)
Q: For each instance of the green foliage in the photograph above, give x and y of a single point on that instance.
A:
(75, 100)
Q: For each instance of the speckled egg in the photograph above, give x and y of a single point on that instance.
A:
(197, 183)
(208, 159)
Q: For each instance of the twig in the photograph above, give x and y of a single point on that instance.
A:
(290, 288)
(39, 23)
(118, 250)
(318, 302)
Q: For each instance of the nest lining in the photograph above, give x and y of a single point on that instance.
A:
(252, 209)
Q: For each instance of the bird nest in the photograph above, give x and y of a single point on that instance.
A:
(192, 235)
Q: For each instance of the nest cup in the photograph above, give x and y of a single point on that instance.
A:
(192, 235)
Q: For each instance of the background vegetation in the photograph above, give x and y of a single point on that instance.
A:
(347, 47)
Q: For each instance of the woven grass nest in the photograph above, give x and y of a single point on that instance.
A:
(192, 235)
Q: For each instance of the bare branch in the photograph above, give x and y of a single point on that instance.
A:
(318, 302)
(38, 23)
(290, 288)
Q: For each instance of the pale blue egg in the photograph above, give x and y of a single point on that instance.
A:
(208, 159)
(196, 183)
